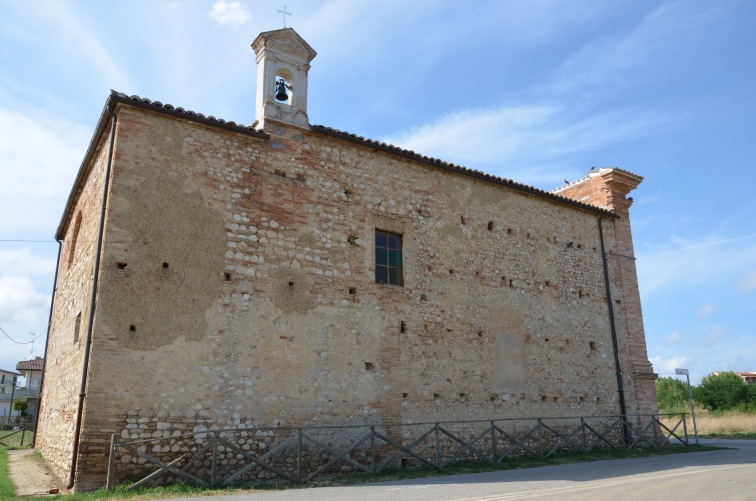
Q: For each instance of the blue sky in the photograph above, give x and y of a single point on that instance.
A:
(534, 90)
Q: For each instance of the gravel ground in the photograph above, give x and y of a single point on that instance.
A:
(30, 476)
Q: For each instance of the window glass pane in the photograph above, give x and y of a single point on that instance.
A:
(395, 276)
(388, 258)
(394, 241)
(395, 258)
(381, 256)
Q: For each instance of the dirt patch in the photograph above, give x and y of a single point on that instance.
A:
(31, 476)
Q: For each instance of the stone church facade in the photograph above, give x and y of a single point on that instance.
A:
(288, 274)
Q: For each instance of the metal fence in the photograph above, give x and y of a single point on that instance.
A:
(297, 455)
(16, 420)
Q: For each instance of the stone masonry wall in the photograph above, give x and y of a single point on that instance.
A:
(65, 351)
(237, 287)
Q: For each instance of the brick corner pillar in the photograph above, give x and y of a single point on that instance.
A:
(607, 187)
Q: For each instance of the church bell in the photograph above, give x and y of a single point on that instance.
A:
(281, 87)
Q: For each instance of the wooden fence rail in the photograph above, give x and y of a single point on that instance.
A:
(18, 431)
(297, 455)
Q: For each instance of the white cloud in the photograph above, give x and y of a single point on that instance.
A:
(36, 180)
(681, 262)
(706, 310)
(617, 61)
(667, 366)
(674, 337)
(14, 262)
(230, 13)
(748, 283)
(501, 133)
(535, 139)
(20, 302)
(78, 43)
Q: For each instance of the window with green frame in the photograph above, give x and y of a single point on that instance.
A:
(388, 258)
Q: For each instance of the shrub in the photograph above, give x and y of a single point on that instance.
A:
(672, 394)
(21, 405)
(723, 391)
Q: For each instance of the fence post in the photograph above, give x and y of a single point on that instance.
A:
(372, 449)
(582, 432)
(111, 464)
(438, 448)
(23, 431)
(540, 437)
(299, 455)
(655, 420)
(493, 443)
(685, 427)
(215, 458)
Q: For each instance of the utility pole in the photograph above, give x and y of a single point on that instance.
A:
(13, 391)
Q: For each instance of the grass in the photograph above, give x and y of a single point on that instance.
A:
(728, 424)
(13, 438)
(7, 489)
(183, 490)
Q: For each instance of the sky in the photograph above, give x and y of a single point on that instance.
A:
(538, 91)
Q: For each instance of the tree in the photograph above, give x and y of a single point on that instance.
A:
(21, 406)
(672, 394)
(750, 405)
(722, 391)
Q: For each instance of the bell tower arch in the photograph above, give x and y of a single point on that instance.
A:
(283, 61)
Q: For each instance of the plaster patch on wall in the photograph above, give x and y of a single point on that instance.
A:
(509, 375)
(183, 230)
(290, 291)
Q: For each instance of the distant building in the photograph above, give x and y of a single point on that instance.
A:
(31, 370)
(748, 377)
(288, 274)
(7, 379)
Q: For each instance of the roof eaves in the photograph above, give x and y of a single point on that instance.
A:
(119, 98)
(460, 169)
(30, 365)
(168, 109)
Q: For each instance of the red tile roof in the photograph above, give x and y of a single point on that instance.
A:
(31, 365)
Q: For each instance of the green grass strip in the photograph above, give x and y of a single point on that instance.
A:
(7, 489)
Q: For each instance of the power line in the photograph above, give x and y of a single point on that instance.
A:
(20, 342)
(27, 241)
(17, 342)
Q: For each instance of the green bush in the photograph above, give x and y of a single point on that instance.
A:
(21, 406)
(724, 391)
(672, 394)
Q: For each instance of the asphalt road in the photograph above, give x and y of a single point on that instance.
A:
(721, 475)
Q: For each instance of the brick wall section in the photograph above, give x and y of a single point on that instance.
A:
(608, 188)
(237, 287)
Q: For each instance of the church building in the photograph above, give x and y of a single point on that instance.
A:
(289, 274)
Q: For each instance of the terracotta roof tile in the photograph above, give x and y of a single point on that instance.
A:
(219, 122)
(168, 109)
(35, 364)
(457, 168)
(145, 103)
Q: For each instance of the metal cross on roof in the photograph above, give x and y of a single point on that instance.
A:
(284, 15)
